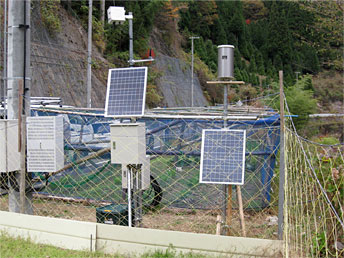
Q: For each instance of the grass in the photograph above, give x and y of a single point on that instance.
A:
(18, 247)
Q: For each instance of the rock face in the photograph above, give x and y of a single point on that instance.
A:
(59, 62)
(59, 65)
(175, 83)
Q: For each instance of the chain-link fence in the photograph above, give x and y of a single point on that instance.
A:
(89, 187)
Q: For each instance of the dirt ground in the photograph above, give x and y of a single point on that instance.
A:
(186, 220)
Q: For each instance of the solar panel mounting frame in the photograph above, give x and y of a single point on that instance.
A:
(201, 180)
(106, 113)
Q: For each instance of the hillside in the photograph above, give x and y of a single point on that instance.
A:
(300, 38)
(59, 57)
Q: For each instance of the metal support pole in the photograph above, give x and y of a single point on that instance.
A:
(135, 194)
(226, 203)
(281, 196)
(225, 105)
(102, 12)
(192, 72)
(89, 57)
(131, 47)
(5, 59)
(139, 197)
(192, 69)
(129, 168)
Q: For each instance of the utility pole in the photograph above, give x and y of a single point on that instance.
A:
(131, 46)
(192, 69)
(102, 12)
(89, 57)
(18, 88)
(281, 196)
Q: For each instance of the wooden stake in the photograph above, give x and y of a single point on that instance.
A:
(218, 224)
(229, 209)
(241, 210)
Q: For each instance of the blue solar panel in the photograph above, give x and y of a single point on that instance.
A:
(223, 156)
(126, 92)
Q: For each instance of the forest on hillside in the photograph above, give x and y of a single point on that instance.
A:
(268, 35)
(302, 38)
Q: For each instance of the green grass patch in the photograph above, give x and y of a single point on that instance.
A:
(18, 247)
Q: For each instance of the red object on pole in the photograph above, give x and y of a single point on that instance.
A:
(149, 54)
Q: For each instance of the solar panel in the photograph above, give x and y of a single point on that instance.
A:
(223, 156)
(126, 92)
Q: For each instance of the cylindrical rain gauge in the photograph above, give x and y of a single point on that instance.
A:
(225, 61)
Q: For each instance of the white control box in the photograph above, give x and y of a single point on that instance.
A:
(9, 155)
(116, 14)
(144, 174)
(128, 143)
(45, 148)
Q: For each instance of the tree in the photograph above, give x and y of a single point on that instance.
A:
(301, 101)
(219, 33)
(237, 74)
(279, 39)
(260, 63)
(310, 60)
(252, 67)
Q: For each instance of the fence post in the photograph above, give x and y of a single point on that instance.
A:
(282, 162)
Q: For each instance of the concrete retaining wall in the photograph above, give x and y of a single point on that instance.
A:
(79, 235)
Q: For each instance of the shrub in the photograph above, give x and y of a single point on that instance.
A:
(49, 13)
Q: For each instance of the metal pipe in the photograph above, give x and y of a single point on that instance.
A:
(225, 105)
(192, 69)
(135, 194)
(129, 194)
(89, 57)
(139, 211)
(192, 75)
(1, 88)
(102, 151)
(5, 58)
(131, 48)
(224, 187)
